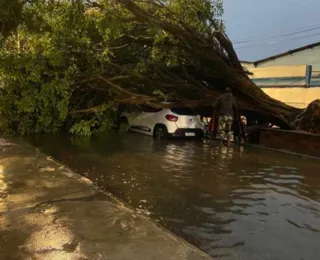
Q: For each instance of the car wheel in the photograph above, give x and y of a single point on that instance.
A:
(123, 124)
(160, 132)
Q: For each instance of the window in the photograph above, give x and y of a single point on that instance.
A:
(185, 111)
(148, 109)
(133, 108)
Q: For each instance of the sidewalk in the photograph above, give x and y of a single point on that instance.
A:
(49, 212)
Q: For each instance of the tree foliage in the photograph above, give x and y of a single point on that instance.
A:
(10, 15)
(65, 64)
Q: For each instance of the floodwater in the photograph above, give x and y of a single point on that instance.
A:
(233, 203)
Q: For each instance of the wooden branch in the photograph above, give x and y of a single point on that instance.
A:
(92, 109)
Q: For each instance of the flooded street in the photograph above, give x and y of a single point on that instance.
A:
(232, 203)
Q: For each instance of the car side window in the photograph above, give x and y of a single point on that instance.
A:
(149, 109)
(135, 109)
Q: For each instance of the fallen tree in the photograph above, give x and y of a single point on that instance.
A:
(74, 72)
(217, 67)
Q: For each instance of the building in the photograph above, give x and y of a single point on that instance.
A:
(292, 77)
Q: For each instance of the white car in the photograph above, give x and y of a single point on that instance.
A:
(163, 123)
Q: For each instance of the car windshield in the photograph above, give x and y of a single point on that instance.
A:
(185, 111)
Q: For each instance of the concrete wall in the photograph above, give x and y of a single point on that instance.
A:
(295, 96)
(279, 71)
(292, 141)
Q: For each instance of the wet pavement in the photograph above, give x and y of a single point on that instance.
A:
(49, 212)
(236, 203)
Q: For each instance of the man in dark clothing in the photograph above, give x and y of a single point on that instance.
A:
(224, 107)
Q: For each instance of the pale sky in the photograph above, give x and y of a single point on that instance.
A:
(250, 20)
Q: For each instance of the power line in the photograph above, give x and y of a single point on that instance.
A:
(270, 43)
(278, 36)
(310, 35)
(251, 46)
(288, 31)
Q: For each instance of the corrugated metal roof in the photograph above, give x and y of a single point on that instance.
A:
(310, 46)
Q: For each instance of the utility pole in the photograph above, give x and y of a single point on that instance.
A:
(308, 75)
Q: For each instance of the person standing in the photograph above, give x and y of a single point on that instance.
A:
(224, 107)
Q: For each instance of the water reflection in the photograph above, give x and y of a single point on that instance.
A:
(232, 202)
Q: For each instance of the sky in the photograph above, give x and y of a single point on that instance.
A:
(262, 28)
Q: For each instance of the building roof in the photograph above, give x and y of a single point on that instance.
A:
(310, 46)
(249, 62)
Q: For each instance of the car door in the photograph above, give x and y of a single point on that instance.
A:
(147, 119)
(134, 116)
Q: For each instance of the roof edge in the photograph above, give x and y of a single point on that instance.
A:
(310, 46)
(244, 61)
